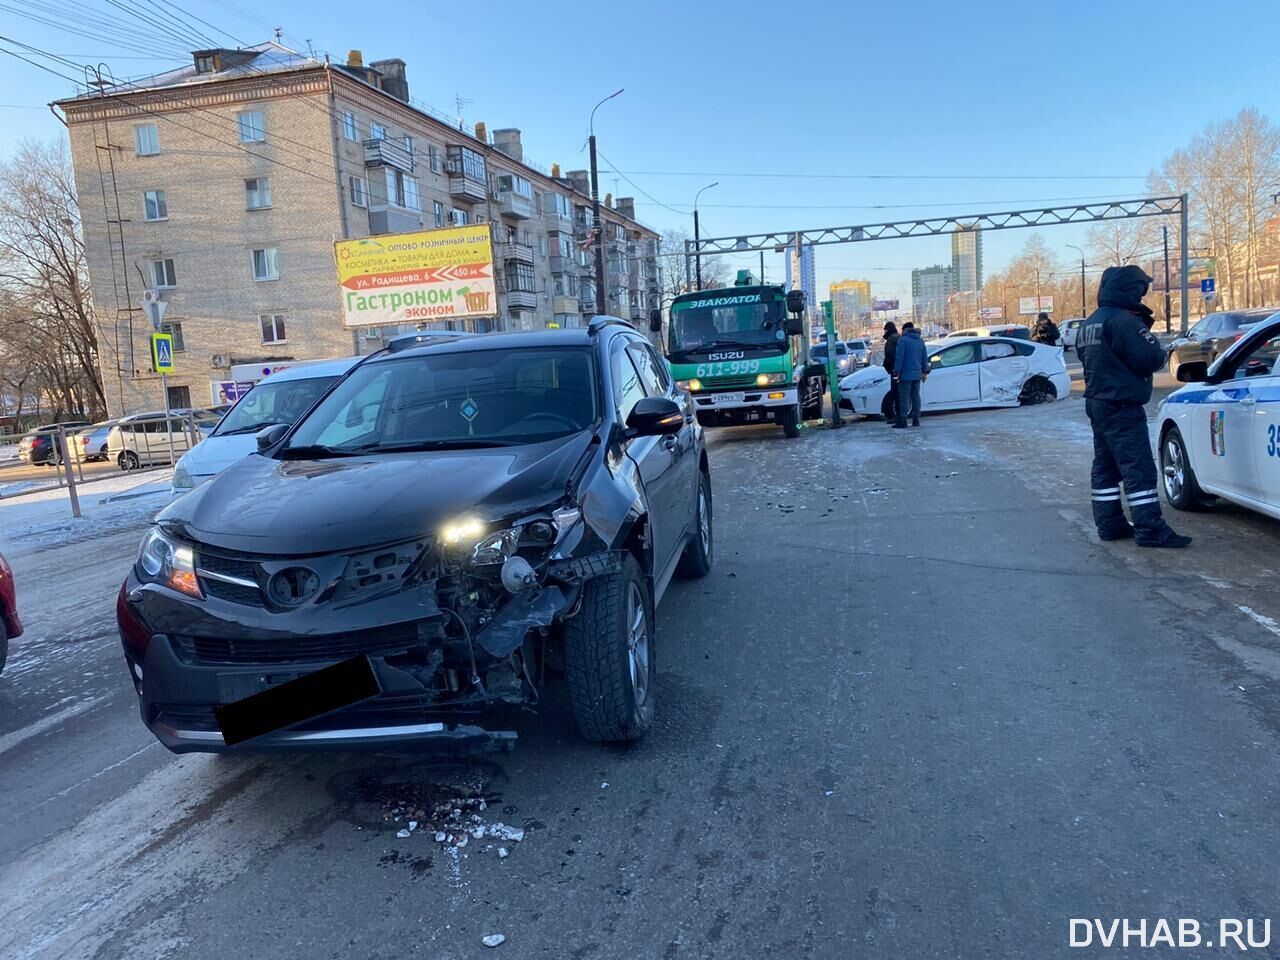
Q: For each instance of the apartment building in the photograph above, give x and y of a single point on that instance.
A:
(223, 185)
(850, 300)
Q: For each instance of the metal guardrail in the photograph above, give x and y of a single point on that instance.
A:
(68, 470)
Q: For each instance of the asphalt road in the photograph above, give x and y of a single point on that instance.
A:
(916, 710)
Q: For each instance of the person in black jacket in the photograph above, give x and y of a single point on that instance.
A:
(1119, 356)
(890, 348)
(1046, 331)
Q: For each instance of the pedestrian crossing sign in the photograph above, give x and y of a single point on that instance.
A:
(162, 352)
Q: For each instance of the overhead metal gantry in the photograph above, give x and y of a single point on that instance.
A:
(933, 226)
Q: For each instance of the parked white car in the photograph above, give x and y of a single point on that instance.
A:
(1016, 330)
(144, 439)
(970, 373)
(1070, 329)
(282, 397)
(859, 351)
(1220, 434)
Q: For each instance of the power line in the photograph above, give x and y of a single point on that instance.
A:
(875, 176)
(885, 206)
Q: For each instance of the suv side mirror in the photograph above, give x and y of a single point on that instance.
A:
(1193, 371)
(655, 320)
(268, 437)
(653, 417)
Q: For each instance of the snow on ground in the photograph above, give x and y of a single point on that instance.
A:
(8, 451)
(41, 519)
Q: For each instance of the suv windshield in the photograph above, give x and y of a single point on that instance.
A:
(268, 403)
(476, 398)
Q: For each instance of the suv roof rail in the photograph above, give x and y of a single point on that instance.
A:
(600, 321)
(406, 340)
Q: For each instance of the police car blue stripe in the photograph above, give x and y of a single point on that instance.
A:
(1267, 394)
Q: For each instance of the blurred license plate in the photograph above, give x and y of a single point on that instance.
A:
(726, 398)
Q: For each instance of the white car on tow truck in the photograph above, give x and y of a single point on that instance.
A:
(1220, 434)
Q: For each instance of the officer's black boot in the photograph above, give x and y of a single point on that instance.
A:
(1150, 529)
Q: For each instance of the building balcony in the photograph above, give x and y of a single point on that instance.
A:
(513, 205)
(465, 189)
(563, 265)
(558, 222)
(521, 299)
(564, 305)
(387, 153)
(587, 304)
(519, 252)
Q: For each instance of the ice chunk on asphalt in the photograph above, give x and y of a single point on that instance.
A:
(503, 853)
(402, 833)
(493, 940)
(504, 832)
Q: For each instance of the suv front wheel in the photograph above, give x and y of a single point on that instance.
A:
(608, 656)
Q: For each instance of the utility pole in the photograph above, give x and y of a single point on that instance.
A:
(1167, 306)
(697, 263)
(1183, 244)
(601, 302)
(1082, 300)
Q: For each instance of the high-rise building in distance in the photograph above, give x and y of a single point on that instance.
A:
(850, 299)
(930, 288)
(966, 259)
(808, 278)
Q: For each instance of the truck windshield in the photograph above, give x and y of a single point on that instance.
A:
(719, 321)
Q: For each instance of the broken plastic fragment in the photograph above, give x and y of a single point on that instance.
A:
(402, 833)
(503, 853)
(493, 940)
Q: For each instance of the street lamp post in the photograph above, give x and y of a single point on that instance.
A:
(697, 260)
(601, 303)
(1083, 311)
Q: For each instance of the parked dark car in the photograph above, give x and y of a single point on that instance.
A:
(41, 444)
(468, 513)
(10, 625)
(1211, 337)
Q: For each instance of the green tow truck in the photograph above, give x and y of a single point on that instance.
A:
(741, 352)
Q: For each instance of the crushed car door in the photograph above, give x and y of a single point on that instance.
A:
(1001, 372)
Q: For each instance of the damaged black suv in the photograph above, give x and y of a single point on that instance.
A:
(471, 513)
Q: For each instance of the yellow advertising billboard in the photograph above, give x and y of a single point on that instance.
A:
(414, 277)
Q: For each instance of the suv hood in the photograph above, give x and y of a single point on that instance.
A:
(299, 507)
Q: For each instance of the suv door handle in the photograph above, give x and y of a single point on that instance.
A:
(1248, 401)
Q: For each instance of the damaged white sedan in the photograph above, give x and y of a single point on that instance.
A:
(970, 373)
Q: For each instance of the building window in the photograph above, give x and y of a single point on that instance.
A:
(562, 206)
(465, 162)
(395, 186)
(349, 125)
(358, 197)
(433, 154)
(179, 398)
(265, 265)
(439, 212)
(146, 140)
(411, 193)
(458, 218)
(175, 330)
(377, 131)
(153, 203)
(566, 284)
(206, 63)
(252, 127)
(163, 274)
(513, 183)
(408, 144)
(257, 193)
(272, 327)
(520, 277)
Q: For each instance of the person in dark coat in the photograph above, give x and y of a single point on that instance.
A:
(1046, 331)
(911, 362)
(890, 343)
(1120, 355)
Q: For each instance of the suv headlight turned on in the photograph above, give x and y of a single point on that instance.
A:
(464, 514)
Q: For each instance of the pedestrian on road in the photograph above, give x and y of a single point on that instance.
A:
(911, 361)
(1046, 331)
(890, 344)
(1119, 355)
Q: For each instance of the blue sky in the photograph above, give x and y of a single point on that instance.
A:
(889, 110)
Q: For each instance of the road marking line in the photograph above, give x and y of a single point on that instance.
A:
(1261, 619)
(11, 740)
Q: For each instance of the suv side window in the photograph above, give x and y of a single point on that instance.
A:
(653, 372)
(627, 387)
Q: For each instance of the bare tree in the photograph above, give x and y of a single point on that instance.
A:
(715, 270)
(47, 317)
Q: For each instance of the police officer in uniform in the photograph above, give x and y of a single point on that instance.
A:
(1119, 356)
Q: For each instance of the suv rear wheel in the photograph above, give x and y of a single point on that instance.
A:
(608, 656)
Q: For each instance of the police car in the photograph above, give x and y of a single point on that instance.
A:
(1220, 434)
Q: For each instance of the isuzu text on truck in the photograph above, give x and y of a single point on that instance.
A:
(739, 351)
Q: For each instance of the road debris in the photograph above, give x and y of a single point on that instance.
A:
(493, 940)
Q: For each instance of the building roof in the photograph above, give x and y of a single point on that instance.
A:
(273, 58)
